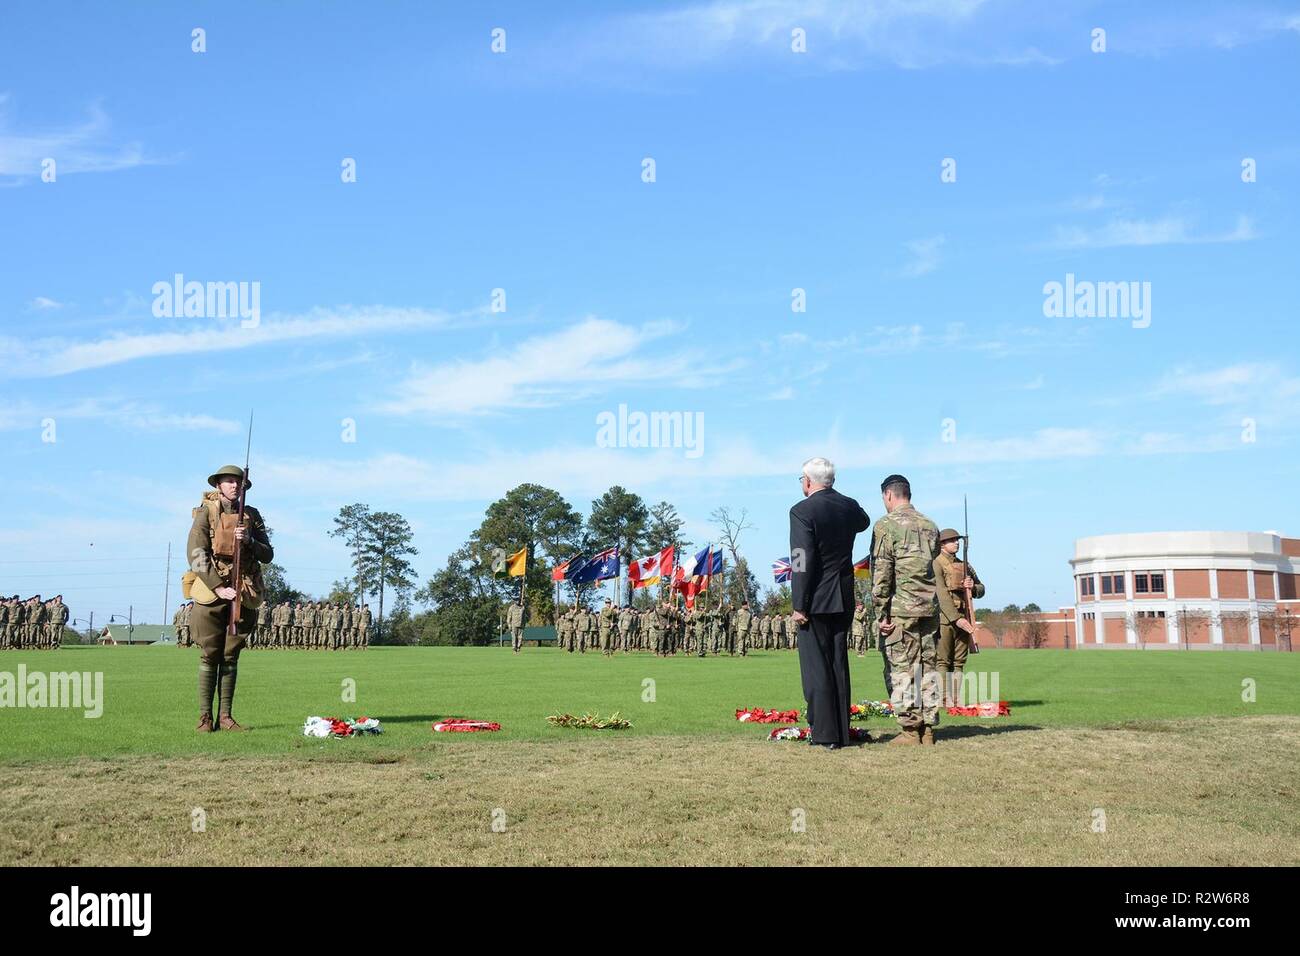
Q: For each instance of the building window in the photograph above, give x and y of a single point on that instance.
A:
(1158, 583)
(1139, 584)
(1105, 584)
(1119, 583)
(1087, 586)
(1160, 613)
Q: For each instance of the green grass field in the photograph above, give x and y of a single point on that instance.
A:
(1186, 769)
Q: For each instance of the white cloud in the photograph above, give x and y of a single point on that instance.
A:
(42, 304)
(78, 148)
(15, 416)
(841, 34)
(1263, 383)
(551, 369)
(1172, 230)
(55, 356)
(925, 256)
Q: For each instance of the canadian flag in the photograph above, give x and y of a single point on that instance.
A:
(649, 570)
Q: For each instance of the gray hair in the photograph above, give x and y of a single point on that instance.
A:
(820, 471)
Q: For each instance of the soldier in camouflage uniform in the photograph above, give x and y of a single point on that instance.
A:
(4, 624)
(626, 628)
(516, 618)
(562, 628)
(860, 616)
(744, 621)
(608, 620)
(904, 546)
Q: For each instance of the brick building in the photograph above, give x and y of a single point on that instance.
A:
(1223, 590)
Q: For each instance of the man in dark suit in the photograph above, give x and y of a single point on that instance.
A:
(822, 529)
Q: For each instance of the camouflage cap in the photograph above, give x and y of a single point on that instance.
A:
(234, 471)
(948, 534)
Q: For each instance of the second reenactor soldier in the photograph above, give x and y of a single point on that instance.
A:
(952, 578)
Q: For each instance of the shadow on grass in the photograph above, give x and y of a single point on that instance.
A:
(949, 732)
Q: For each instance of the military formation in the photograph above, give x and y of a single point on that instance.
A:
(305, 625)
(667, 629)
(32, 624)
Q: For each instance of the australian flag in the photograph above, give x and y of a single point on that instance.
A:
(600, 566)
(781, 570)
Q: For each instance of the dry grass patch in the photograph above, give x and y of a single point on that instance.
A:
(1206, 792)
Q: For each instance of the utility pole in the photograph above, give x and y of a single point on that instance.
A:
(167, 585)
(91, 633)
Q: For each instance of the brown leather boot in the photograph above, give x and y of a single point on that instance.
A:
(205, 724)
(927, 735)
(906, 738)
(228, 723)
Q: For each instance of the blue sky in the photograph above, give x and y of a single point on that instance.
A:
(522, 171)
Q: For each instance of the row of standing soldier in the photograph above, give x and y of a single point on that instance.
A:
(314, 625)
(32, 624)
(665, 629)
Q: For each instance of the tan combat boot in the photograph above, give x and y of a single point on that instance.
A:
(228, 723)
(906, 738)
(927, 735)
(205, 724)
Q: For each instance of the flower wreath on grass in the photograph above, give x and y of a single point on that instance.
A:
(871, 708)
(986, 709)
(801, 733)
(614, 721)
(757, 715)
(463, 725)
(341, 726)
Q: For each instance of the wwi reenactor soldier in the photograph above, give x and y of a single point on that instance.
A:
(211, 547)
(956, 628)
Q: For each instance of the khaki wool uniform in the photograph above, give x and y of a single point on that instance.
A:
(904, 544)
(211, 552)
(954, 643)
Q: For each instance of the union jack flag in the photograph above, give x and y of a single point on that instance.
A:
(781, 570)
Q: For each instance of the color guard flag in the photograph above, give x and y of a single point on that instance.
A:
(511, 566)
(561, 571)
(602, 566)
(781, 570)
(649, 570)
(863, 568)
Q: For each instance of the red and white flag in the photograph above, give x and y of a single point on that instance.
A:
(649, 570)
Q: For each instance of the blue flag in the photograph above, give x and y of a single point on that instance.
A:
(603, 565)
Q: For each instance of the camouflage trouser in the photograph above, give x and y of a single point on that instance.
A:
(742, 643)
(516, 637)
(605, 646)
(860, 642)
(916, 692)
